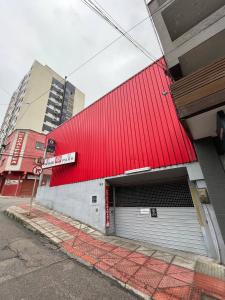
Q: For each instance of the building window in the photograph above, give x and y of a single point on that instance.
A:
(39, 146)
(46, 128)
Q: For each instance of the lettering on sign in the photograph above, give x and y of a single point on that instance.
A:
(11, 181)
(59, 160)
(145, 211)
(17, 149)
(154, 213)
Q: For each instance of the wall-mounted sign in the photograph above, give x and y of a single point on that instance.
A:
(17, 149)
(144, 211)
(59, 160)
(11, 181)
(154, 213)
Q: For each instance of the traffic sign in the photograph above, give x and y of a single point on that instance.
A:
(37, 170)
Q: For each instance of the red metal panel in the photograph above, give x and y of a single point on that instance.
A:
(133, 126)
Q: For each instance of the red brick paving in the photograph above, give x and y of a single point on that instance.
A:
(150, 276)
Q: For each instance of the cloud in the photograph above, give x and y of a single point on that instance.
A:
(64, 34)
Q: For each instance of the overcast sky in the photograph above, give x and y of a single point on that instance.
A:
(65, 33)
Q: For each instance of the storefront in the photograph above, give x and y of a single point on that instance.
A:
(19, 156)
(131, 173)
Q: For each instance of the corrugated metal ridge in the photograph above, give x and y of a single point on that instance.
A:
(199, 78)
(162, 59)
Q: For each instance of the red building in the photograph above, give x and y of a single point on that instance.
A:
(19, 155)
(134, 163)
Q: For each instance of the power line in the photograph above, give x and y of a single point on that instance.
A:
(98, 9)
(93, 57)
(87, 61)
(5, 91)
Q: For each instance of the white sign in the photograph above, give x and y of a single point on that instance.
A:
(145, 211)
(37, 170)
(59, 160)
(11, 181)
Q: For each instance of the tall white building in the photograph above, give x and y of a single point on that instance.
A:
(42, 101)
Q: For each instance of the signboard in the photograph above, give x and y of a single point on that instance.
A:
(31, 176)
(17, 149)
(154, 213)
(145, 211)
(59, 160)
(11, 181)
(37, 170)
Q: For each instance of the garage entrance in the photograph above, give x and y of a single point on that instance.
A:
(156, 211)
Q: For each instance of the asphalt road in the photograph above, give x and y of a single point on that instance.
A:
(31, 268)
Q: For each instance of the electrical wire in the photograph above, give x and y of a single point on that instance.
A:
(85, 63)
(4, 90)
(94, 56)
(99, 10)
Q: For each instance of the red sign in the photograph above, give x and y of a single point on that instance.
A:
(17, 149)
(37, 170)
(107, 213)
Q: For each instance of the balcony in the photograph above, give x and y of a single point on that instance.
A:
(200, 91)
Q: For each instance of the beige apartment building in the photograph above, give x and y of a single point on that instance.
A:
(42, 101)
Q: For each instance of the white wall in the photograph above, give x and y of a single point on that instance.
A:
(75, 200)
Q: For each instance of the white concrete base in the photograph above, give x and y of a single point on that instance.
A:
(75, 200)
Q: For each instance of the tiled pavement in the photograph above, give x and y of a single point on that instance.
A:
(144, 269)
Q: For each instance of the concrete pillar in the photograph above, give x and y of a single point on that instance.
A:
(214, 175)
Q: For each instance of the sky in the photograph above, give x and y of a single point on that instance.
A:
(64, 34)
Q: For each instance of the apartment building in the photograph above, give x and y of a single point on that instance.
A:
(192, 35)
(42, 101)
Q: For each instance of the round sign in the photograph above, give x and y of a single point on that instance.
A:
(37, 170)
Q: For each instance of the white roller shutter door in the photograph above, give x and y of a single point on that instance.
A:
(174, 227)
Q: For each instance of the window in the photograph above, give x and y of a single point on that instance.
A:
(39, 146)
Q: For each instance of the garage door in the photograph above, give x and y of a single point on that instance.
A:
(161, 214)
(27, 187)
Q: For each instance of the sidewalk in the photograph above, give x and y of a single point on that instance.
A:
(150, 271)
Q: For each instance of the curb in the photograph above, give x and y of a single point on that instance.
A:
(34, 228)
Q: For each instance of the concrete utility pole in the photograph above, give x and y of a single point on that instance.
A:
(63, 100)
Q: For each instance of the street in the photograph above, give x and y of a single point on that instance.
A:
(31, 268)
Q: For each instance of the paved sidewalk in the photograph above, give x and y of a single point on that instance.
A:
(150, 271)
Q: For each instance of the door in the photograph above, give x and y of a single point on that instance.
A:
(161, 214)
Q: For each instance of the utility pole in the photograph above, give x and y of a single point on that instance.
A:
(63, 100)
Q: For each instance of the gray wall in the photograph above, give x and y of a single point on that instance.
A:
(75, 200)
(204, 27)
(214, 175)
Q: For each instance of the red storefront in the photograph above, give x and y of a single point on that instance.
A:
(127, 143)
(19, 156)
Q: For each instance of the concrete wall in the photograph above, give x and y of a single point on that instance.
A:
(79, 101)
(202, 31)
(75, 200)
(37, 88)
(214, 175)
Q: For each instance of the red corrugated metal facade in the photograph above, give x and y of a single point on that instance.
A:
(133, 126)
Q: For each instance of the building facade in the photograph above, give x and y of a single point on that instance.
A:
(192, 34)
(43, 96)
(20, 154)
(135, 172)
